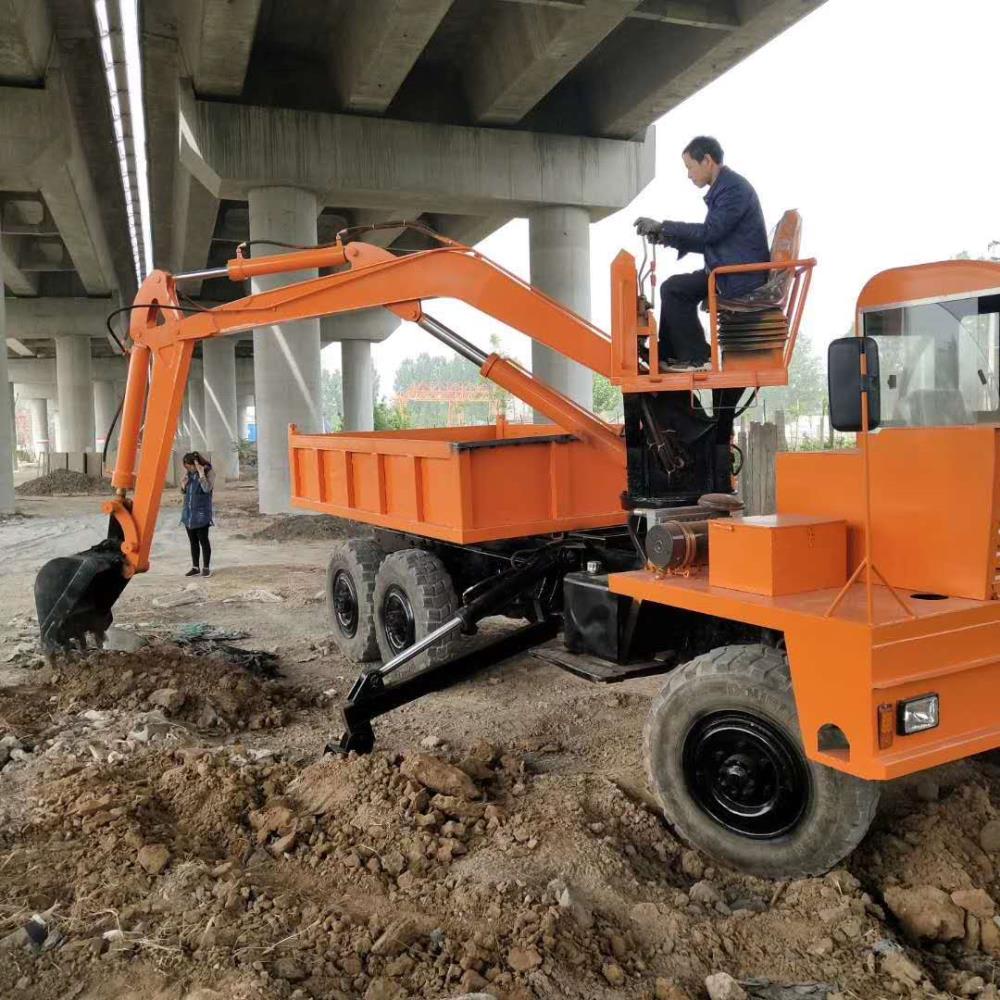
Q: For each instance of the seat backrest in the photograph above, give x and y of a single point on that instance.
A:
(787, 237)
(785, 247)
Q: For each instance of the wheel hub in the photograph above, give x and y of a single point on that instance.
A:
(345, 604)
(397, 620)
(746, 773)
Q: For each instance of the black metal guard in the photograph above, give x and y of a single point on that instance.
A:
(371, 696)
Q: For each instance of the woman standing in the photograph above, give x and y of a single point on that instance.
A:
(196, 514)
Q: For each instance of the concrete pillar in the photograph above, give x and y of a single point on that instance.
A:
(196, 407)
(221, 428)
(559, 245)
(105, 405)
(39, 410)
(287, 371)
(359, 385)
(246, 405)
(76, 395)
(357, 331)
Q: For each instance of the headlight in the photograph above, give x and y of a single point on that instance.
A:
(919, 714)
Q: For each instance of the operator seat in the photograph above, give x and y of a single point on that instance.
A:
(758, 321)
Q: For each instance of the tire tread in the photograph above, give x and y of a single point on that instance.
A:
(362, 556)
(767, 668)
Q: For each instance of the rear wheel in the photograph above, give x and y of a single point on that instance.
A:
(413, 596)
(350, 588)
(725, 758)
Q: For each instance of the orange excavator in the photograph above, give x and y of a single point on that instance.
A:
(850, 638)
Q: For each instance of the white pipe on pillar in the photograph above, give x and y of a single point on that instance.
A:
(559, 246)
(358, 382)
(7, 501)
(39, 410)
(105, 404)
(287, 368)
(13, 426)
(219, 360)
(76, 398)
(246, 405)
(182, 439)
(196, 407)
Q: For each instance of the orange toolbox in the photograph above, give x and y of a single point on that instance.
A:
(460, 484)
(776, 554)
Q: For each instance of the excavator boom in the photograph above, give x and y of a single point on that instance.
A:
(74, 595)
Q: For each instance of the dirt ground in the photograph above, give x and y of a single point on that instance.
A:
(169, 828)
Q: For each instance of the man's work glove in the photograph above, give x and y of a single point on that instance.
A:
(648, 228)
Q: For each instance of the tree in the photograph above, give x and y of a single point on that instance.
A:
(435, 372)
(608, 401)
(805, 394)
(332, 399)
(431, 369)
(390, 416)
(387, 416)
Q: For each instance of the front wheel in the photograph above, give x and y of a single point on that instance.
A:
(725, 759)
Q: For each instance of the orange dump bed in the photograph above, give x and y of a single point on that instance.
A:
(460, 484)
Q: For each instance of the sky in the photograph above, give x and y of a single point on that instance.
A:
(874, 118)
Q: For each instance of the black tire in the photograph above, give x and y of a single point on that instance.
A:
(413, 596)
(351, 574)
(725, 719)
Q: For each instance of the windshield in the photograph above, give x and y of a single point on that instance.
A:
(938, 361)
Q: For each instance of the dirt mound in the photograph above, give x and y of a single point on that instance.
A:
(308, 527)
(62, 482)
(143, 696)
(414, 876)
(166, 854)
(204, 690)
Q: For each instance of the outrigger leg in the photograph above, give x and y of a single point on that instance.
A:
(371, 696)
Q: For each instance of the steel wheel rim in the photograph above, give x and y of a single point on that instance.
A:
(398, 625)
(746, 773)
(345, 604)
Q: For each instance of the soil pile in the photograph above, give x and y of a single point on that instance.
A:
(168, 830)
(420, 875)
(62, 482)
(201, 689)
(308, 527)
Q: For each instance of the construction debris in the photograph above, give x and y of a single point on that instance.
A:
(62, 482)
(307, 528)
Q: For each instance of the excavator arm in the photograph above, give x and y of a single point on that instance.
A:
(74, 595)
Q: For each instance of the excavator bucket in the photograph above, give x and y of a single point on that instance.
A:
(74, 594)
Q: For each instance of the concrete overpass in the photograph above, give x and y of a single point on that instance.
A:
(286, 121)
(65, 253)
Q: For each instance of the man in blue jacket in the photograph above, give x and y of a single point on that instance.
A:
(733, 233)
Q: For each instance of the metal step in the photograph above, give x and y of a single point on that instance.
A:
(593, 668)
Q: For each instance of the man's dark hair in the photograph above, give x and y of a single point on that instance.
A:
(704, 145)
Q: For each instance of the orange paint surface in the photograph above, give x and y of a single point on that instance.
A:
(461, 484)
(777, 554)
(843, 668)
(934, 506)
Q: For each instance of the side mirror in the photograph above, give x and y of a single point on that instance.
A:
(846, 384)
